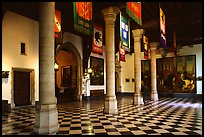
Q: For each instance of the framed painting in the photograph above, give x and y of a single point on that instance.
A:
(97, 66)
(66, 76)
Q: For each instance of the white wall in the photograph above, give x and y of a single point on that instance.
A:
(195, 50)
(17, 29)
(77, 41)
(127, 70)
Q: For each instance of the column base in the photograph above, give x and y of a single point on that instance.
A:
(46, 119)
(154, 95)
(138, 100)
(110, 105)
(79, 98)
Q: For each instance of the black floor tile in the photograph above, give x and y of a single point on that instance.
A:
(136, 118)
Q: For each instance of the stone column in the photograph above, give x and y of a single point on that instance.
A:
(110, 103)
(154, 94)
(137, 35)
(46, 114)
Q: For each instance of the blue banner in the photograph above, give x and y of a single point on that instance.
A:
(125, 33)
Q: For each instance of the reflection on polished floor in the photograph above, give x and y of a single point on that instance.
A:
(167, 116)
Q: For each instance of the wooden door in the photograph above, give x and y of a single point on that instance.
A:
(21, 88)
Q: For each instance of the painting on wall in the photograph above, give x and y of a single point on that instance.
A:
(182, 78)
(67, 76)
(97, 75)
(175, 74)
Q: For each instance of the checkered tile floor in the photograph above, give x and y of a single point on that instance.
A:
(167, 116)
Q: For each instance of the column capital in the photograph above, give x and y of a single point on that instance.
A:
(153, 45)
(110, 14)
(137, 33)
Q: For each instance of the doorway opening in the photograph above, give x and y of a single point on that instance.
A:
(68, 76)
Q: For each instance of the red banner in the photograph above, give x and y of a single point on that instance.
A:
(57, 28)
(57, 21)
(97, 44)
(83, 17)
(121, 53)
(84, 10)
(133, 9)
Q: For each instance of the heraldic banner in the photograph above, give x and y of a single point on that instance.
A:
(83, 17)
(97, 44)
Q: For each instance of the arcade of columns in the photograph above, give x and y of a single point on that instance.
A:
(46, 114)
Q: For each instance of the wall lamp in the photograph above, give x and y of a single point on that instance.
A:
(56, 66)
(87, 71)
(5, 74)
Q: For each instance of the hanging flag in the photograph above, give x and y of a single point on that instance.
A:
(125, 33)
(97, 44)
(162, 28)
(57, 29)
(121, 52)
(133, 9)
(83, 17)
(57, 21)
(145, 49)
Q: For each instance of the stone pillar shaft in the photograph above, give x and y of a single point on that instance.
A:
(110, 105)
(46, 52)
(137, 35)
(110, 57)
(46, 114)
(154, 94)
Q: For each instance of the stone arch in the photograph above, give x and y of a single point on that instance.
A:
(70, 47)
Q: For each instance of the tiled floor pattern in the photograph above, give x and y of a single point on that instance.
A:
(167, 116)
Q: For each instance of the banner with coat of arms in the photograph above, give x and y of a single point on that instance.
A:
(57, 29)
(134, 10)
(57, 21)
(125, 33)
(121, 52)
(162, 28)
(83, 17)
(97, 44)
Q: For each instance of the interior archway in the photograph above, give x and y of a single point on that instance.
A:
(69, 74)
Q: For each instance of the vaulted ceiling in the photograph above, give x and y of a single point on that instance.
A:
(185, 18)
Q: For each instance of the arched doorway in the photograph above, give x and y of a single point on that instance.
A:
(69, 74)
